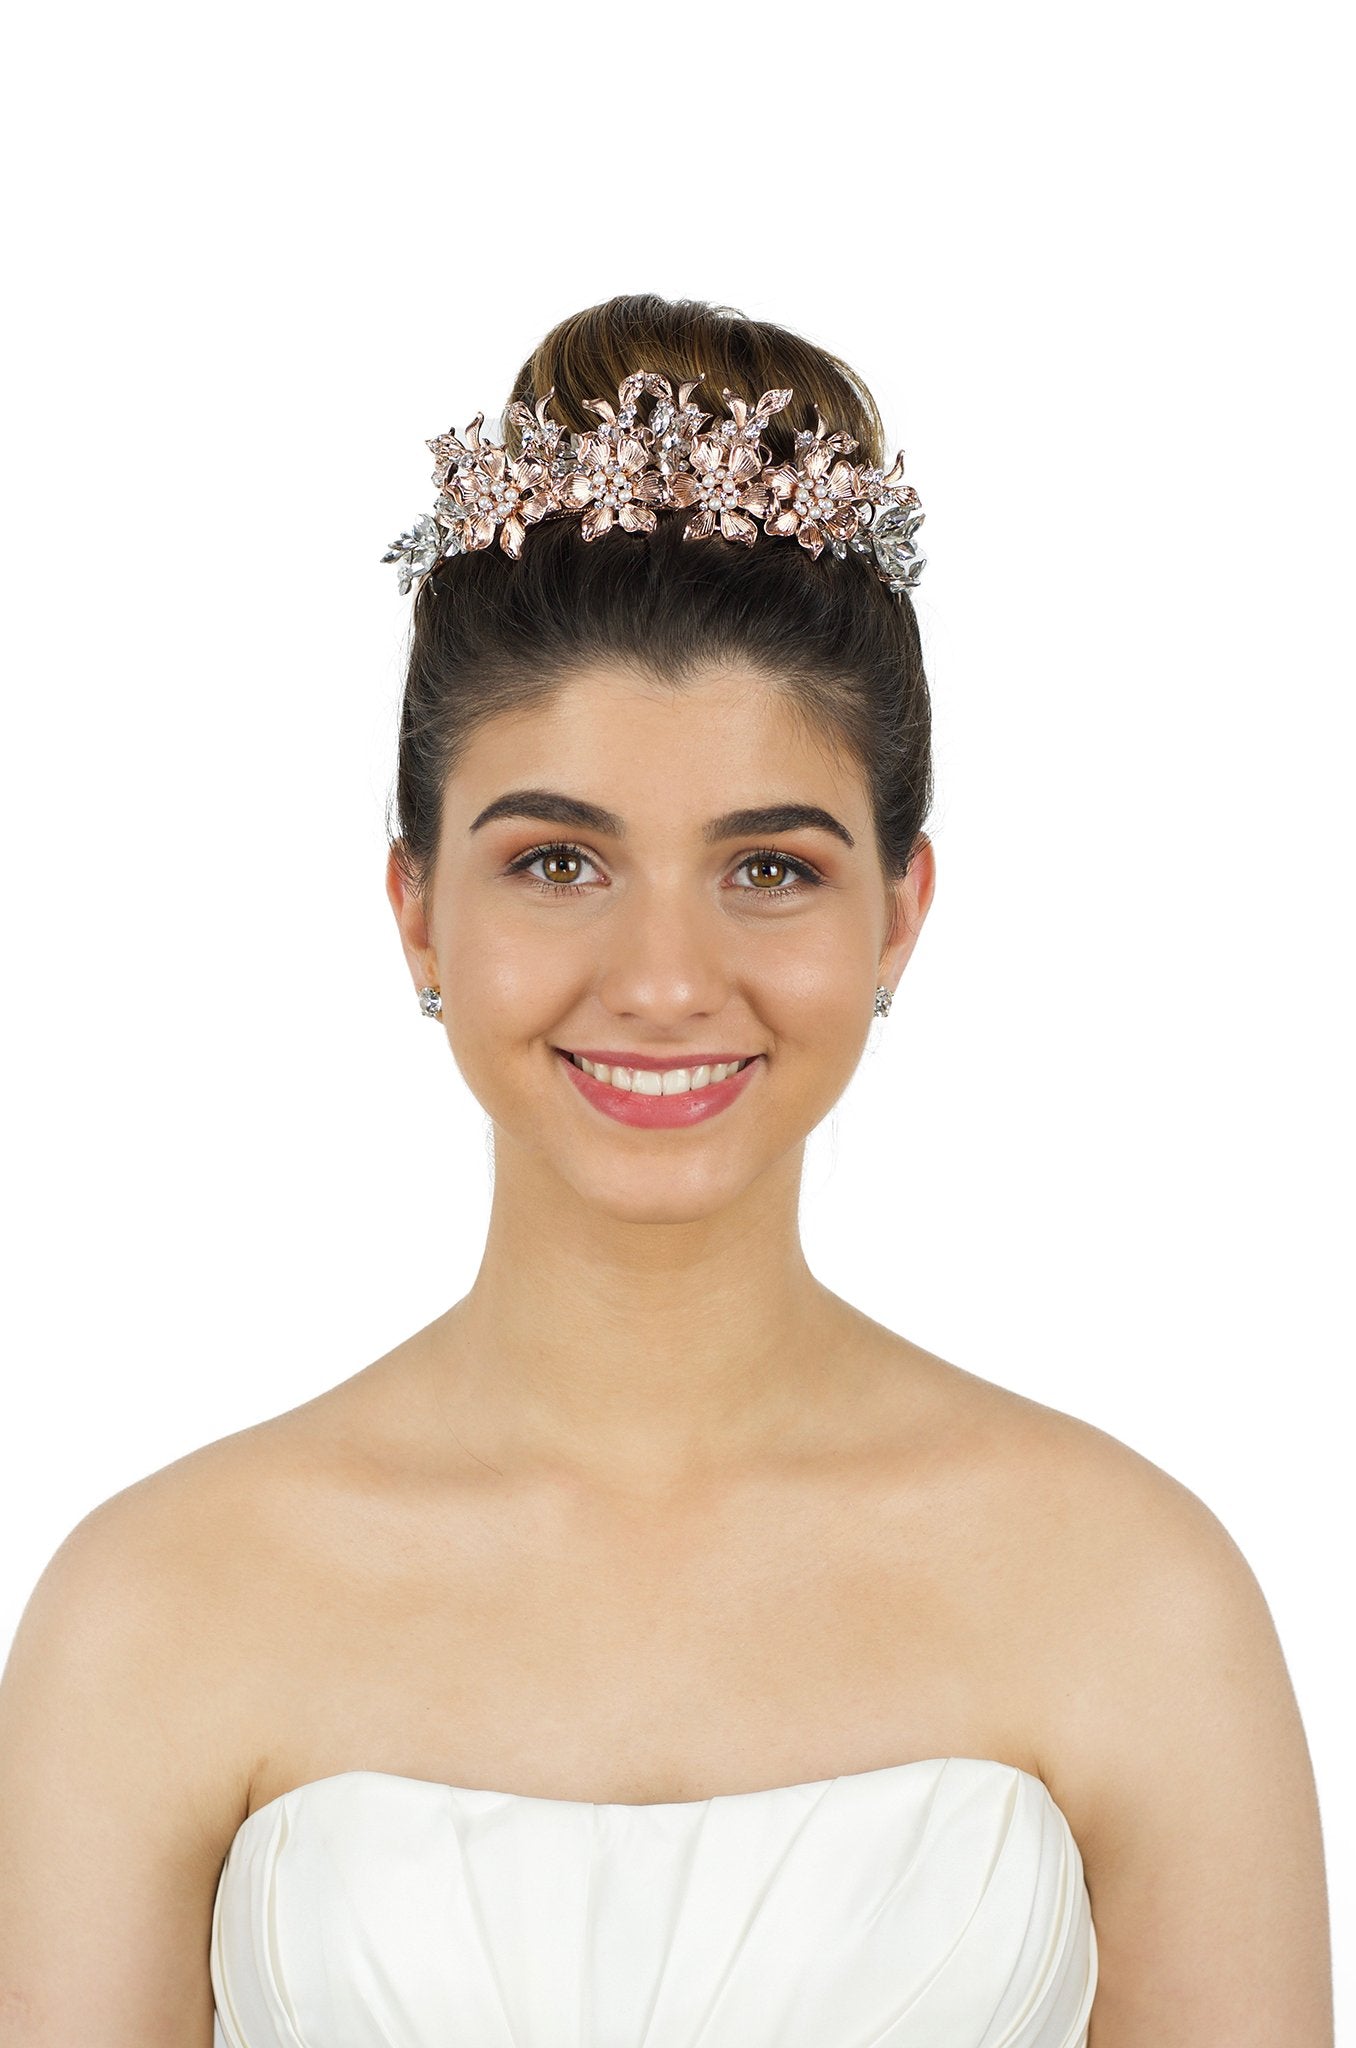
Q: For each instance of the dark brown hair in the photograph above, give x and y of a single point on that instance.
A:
(490, 635)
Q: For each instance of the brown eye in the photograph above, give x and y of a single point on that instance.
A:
(561, 859)
(556, 866)
(781, 866)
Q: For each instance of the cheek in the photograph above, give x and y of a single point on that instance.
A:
(825, 983)
(508, 978)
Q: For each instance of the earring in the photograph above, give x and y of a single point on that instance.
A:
(883, 1001)
(430, 1001)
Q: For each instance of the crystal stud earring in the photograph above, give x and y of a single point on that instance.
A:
(883, 1001)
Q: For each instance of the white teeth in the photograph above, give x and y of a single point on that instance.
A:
(657, 1081)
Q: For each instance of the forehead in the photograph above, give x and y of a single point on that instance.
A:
(661, 755)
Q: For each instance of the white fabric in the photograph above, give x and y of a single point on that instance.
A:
(933, 1904)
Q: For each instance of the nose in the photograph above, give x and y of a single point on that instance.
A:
(665, 954)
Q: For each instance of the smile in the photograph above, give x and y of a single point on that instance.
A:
(659, 1098)
(658, 1080)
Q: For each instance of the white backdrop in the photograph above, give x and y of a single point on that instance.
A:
(1094, 263)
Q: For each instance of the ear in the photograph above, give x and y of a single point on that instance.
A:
(909, 900)
(413, 923)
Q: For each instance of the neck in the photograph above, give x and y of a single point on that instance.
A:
(639, 1355)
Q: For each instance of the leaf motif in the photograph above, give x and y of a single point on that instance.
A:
(644, 380)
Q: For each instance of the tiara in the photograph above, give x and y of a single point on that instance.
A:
(627, 469)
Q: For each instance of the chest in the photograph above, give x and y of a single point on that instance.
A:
(790, 1627)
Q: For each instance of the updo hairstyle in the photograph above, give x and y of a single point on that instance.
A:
(491, 635)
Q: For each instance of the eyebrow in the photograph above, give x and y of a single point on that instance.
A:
(556, 808)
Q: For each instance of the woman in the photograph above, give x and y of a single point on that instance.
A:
(654, 1648)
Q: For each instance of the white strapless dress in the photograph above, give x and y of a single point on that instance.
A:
(934, 1904)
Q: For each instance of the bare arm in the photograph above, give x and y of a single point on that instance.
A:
(118, 1791)
(1185, 1764)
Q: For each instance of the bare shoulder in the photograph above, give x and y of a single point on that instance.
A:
(145, 1593)
(124, 1760)
(1170, 1735)
(1137, 1583)
(162, 1597)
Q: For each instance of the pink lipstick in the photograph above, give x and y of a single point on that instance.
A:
(659, 1112)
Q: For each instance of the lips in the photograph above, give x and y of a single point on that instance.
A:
(659, 1112)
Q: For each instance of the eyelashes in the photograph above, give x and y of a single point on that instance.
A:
(807, 877)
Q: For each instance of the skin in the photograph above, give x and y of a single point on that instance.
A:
(678, 1246)
(650, 1513)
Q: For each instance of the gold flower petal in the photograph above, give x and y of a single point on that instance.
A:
(744, 463)
(637, 518)
(706, 456)
(810, 537)
(511, 538)
(632, 454)
(782, 522)
(683, 488)
(596, 521)
(700, 524)
(479, 530)
(782, 480)
(738, 526)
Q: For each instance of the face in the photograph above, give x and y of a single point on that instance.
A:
(615, 904)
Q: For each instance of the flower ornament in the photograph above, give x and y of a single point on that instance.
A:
(483, 489)
(613, 477)
(816, 494)
(633, 464)
(726, 478)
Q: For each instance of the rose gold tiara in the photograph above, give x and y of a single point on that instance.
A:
(627, 470)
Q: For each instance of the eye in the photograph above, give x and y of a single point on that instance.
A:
(562, 852)
(768, 856)
(559, 851)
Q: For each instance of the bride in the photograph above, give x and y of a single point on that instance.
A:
(655, 1649)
